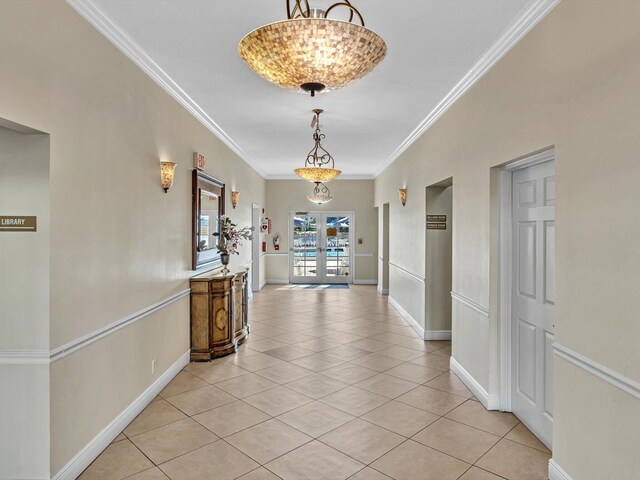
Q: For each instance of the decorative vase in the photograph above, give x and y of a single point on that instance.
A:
(224, 258)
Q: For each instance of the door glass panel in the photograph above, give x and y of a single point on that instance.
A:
(337, 246)
(304, 246)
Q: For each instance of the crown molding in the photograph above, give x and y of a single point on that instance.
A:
(342, 177)
(530, 16)
(118, 36)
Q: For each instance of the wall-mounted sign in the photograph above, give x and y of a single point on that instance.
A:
(198, 161)
(436, 226)
(436, 218)
(18, 224)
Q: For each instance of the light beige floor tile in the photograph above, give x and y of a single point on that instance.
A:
(349, 373)
(264, 345)
(119, 460)
(259, 474)
(318, 362)
(475, 473)
(289, 352)
(268, 440)
(436, 362)
(456, 439)
(317, 385)
(423, 346)
(284, 373)
(474, 414)
(355, 401)
(346, 352)
(521, 434)
(400, 418)
(319, 344)
(294, 338)
(120, 436)
(370, 345)
(314, 461)
(446, 351)
(362, 440)
(183, 382)
(278, 400)
(431, 400)
(155, 415)
(369, 474)
(400, 352)
(390, 337)
(377, 362)
(246, 385)
(386, 385)
(411, 461)
(231, 418)
(316, 418)
(220, 371)
(151, 474)
(515, 461)
(255, 361)
(173, 440)
(413, 373)
(200, 400)
(449, 382)
(218, 460)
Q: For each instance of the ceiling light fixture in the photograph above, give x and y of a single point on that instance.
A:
(321, 194)
(314, 167)
(311, 52)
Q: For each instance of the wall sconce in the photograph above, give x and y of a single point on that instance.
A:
(167, 170)
(403, 195)
(235, 198)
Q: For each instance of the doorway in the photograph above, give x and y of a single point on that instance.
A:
(527, 291)
(256, 211)
(321, 249)
(439, 260)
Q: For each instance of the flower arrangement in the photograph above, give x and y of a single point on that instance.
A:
(230, 237)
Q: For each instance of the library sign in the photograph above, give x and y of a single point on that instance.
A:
(18, 224)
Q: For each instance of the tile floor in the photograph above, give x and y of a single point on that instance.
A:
(332, 384)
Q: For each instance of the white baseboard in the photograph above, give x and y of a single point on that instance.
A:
(365, 282)
(383, 291)
(412, 321)
(437, 334)
(490, 402)
(88, 454)
(262, 284)
(556, 472)
(276, 281)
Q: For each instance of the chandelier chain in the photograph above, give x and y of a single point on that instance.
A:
(302, 9)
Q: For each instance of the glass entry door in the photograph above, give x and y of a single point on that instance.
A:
(320, 247)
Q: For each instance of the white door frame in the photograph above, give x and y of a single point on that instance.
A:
(505, 268)
(352, 231)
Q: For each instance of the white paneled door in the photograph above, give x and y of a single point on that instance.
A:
(321, 247)
(532, 328)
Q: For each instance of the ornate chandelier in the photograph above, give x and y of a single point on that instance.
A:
(321, 194)
(314, 166)
(311, 52)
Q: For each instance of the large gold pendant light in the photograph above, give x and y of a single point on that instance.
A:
(319, 165)
(312, 52)
(321, 194)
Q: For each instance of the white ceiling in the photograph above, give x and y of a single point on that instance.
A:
(432, 45)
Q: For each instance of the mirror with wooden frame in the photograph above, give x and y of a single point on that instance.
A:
(208, 206)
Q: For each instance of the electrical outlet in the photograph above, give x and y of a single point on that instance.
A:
(153, 365)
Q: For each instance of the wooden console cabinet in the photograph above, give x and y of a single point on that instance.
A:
(219, 320)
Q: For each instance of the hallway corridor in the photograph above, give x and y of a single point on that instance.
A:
(332, 384)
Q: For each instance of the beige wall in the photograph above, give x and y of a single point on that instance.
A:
(284, 196)
(119, 243)
(571, 83)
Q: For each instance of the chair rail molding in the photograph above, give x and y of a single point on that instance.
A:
(604, 373)
(44, 357)
(408, 272)
(470, 303)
